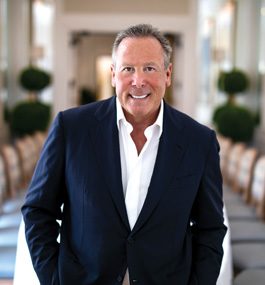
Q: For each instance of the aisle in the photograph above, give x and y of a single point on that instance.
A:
(9, 224)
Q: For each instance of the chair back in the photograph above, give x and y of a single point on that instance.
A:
(233, 163)
(3, 183)
(34, 147)
(245, 173)
(39, 138)
(28, 156)
(258, 187)
(225, 147)
(13, 170)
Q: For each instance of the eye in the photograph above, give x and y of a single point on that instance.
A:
(149, 68)
(128, 69)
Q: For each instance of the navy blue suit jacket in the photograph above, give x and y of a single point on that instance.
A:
(178, 236)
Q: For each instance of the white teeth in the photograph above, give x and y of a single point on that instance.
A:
(140, 97)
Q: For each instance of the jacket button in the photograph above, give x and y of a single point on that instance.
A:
(119, 278)
(131, 240)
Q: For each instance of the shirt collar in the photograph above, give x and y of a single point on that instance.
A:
(121, 117)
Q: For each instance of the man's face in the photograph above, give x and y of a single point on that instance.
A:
(140, 78)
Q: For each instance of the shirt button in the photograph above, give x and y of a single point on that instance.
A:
(119, 278)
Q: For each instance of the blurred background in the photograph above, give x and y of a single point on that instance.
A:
(71, 42)
(56, 54)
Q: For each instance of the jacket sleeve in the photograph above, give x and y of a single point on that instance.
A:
(208, 228)
(42, 207)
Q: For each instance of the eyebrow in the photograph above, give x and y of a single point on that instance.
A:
(145, 64)
(150, 63)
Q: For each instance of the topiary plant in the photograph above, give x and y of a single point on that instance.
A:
(233, 82)
(28, 117)
(34, 79)
(235, 122)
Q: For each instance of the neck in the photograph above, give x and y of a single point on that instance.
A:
(140, 123)
(139, 126)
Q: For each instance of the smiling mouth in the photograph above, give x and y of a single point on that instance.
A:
(139, 97)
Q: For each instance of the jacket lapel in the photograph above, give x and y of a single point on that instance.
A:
(171, 149)
(106, 145)
(172, 146)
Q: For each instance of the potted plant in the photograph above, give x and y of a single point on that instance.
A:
(231, 120)
(34, 80)
(31, 115)
(232, 83)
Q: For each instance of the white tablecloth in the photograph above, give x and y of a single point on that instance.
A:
(226, 273)
(24, 272)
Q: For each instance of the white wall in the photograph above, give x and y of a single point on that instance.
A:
(68, 22)
(176, 7)
(247, 45)
(18, 46)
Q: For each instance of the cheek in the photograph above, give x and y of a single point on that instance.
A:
(122, 83)
(159, 83)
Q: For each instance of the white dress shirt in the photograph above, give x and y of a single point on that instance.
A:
(137, 169)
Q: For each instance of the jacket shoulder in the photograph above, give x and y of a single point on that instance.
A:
(82, 118)
(87, 111)
(187, 124)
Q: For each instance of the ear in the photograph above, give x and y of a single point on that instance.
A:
(168, 75)
(113, 79)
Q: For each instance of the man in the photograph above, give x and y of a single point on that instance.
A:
(139, 182)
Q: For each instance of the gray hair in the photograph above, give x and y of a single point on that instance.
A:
(143, 31)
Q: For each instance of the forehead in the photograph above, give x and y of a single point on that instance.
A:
(148, 48)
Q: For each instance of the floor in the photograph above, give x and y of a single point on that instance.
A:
(9, 224)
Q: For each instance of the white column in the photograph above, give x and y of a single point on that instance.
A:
(61, 51)
(18, 46)
(247, 40)
(3, 127)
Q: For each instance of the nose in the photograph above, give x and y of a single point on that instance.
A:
(138, 79)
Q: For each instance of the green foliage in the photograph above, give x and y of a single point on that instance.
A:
(86, 96)
(235, 122)
(28, 117)
(257, 118)
(34, 79)
(232, 82)
(217, 112)
(6, 113)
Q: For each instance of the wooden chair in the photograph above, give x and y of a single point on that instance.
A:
(24, 160)
(233, 164)
(238, 198)
(225, 147)
(248, 237)
(28, 156)
(250, 276)
(247, 230)
(258, 188)
(13, 170)
(40, 138)
(3, 183)
(248, 255)
(245, 173)
(231, 184)
(34, 147)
